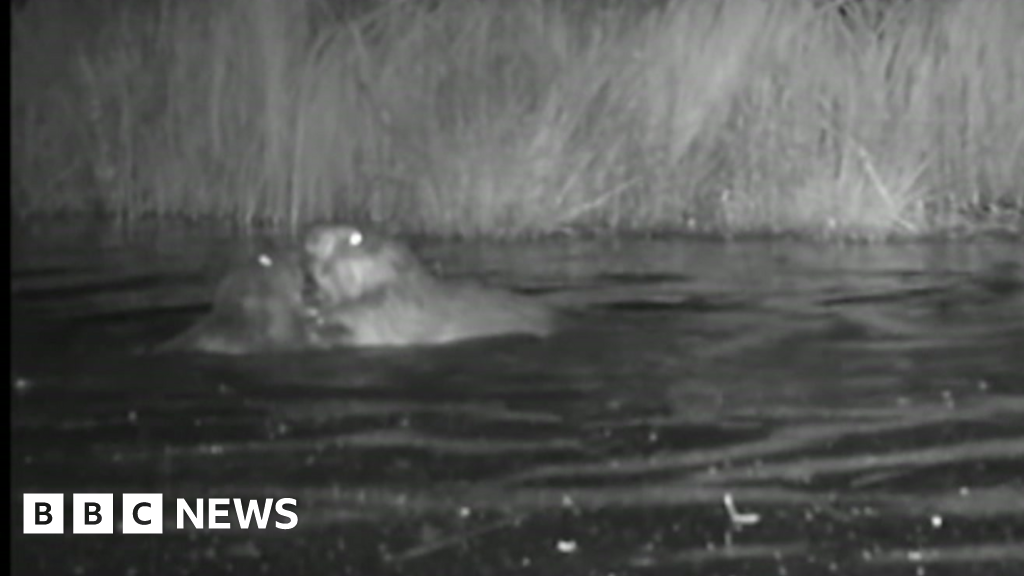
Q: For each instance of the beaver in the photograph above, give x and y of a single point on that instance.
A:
(375, 292)
(259, 307)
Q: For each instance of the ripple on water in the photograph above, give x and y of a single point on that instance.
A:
(863, 404)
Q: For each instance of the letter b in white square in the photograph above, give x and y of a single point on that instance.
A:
(142, 513)
(44, 514)
(92, 514)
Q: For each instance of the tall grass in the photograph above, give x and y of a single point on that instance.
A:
(469, 117)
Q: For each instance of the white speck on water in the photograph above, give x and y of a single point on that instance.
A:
(567, 501)
(964, 491)
(644, 561)
(464, 512)
(865, 511)
(567, 546)
(265, 260)
(22, 385)
(948, 399)
(936, 521)
(915, 556)
(133, 416)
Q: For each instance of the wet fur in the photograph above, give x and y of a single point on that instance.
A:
(258, 307)
(381, 295)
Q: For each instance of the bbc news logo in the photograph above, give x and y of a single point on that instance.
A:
(144, 513)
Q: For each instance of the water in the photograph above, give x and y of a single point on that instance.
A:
(866, 403)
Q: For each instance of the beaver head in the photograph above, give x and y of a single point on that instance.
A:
(266, 287)
(344, 264)
(259, 307)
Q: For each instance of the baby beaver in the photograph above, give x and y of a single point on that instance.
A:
(259, 307)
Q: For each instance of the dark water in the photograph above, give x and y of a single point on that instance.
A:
(866, 403)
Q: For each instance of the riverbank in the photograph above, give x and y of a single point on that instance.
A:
(510, 120)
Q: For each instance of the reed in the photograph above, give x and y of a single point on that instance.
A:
(479, 117)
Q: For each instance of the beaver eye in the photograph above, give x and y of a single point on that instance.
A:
(265, 261)
(355, 238)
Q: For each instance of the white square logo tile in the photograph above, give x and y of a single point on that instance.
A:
(142, 513)
(92, 514)
(44, 513)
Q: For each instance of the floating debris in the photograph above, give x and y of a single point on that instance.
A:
(737, 517)
(567, 546)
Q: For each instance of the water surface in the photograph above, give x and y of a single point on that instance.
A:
(864, 403)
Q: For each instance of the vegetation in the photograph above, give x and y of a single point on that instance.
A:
(469, 117)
